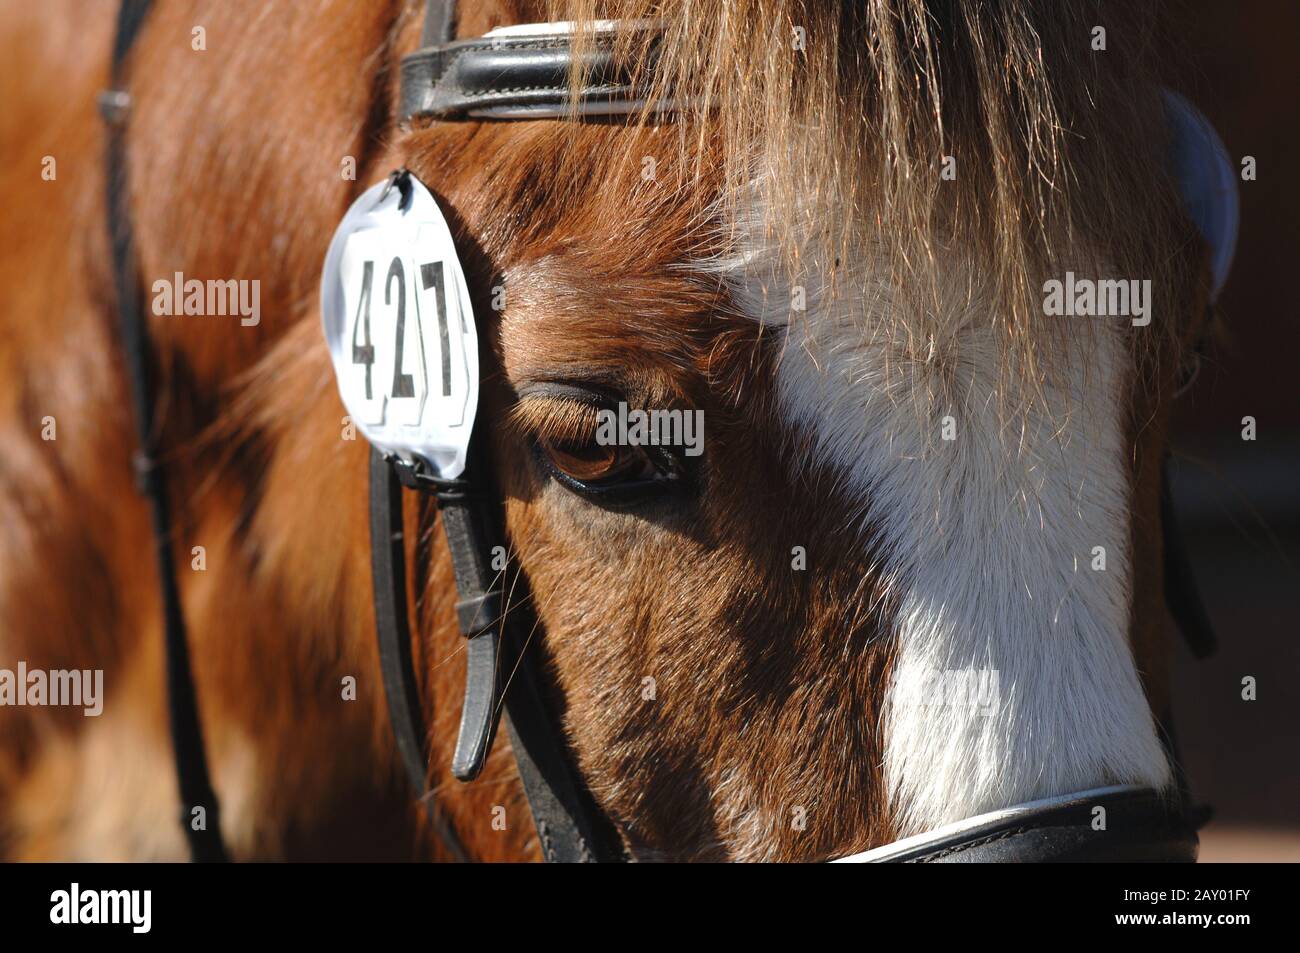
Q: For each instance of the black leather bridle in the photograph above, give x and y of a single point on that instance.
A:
(527, 75)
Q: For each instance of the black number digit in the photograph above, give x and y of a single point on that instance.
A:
(364, 353)
(431, 277)
(403, 385)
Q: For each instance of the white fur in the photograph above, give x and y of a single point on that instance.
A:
(984, 543)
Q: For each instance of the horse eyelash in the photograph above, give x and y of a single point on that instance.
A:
(554, 419)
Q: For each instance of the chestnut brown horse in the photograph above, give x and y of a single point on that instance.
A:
(837, 250)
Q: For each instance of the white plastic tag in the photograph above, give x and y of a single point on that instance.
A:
(400, 328)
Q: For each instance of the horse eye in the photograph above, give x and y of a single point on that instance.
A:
(588, 462)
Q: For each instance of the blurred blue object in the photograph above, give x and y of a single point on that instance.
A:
(1207, 180)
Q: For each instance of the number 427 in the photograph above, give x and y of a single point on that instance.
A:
(363, 349)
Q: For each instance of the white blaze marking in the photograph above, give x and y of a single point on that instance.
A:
(986, 544)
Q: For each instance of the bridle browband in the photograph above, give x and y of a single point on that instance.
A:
(518, 73)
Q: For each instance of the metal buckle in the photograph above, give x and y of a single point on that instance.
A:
(114, 106)
(415, 475)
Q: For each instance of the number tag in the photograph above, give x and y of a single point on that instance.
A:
(400, 328)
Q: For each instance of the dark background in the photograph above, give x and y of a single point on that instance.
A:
(1239, 502)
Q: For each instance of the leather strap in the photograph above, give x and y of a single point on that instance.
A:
(570, 827)
(402, 690)
(193, 780)
(388, 575)
(439, 23)
(1138, 825)
(480, 612)
(516, 77)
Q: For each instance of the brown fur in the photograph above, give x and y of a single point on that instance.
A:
(768, 681)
